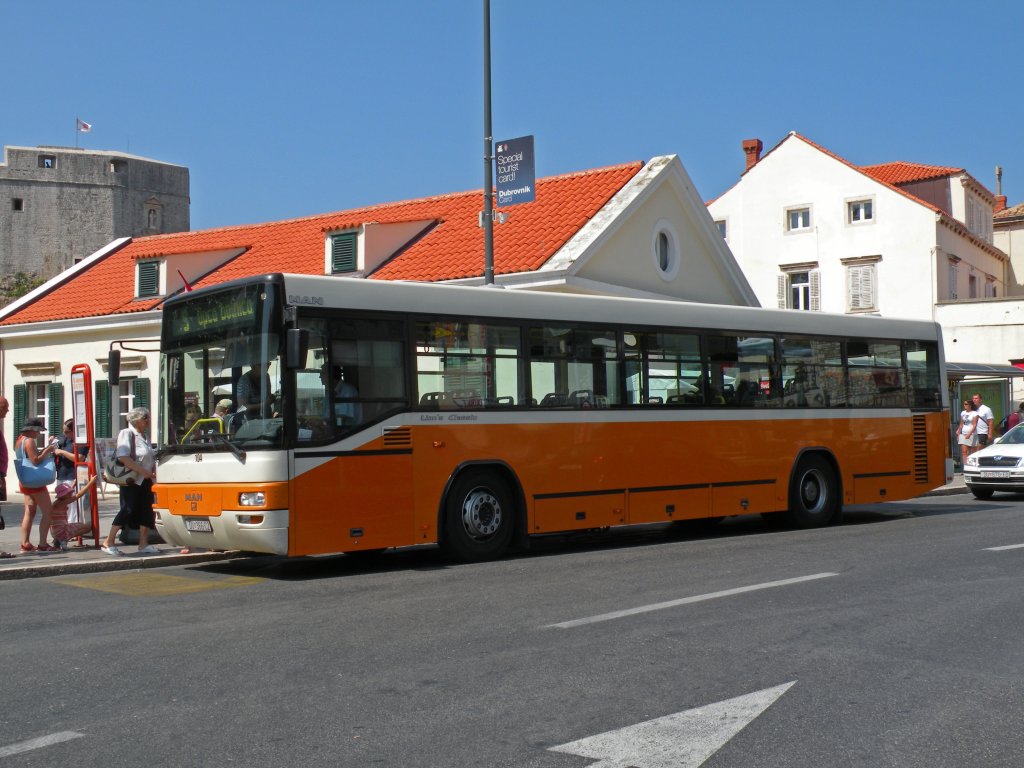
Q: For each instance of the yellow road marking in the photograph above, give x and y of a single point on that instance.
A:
(154, 584)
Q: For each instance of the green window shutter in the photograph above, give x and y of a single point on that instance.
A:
(101, 425)
(20, 409)
(149, 278)
(56, 395)
(343, 252)
(140, 393)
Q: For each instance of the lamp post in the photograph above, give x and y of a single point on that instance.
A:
(488, 214)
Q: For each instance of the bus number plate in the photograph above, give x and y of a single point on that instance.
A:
(996, 473)
(198, 524)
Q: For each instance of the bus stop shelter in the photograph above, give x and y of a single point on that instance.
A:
(995, 383)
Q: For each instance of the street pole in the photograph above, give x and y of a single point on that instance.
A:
(488, 215)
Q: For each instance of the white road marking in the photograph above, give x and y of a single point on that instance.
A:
(1000, 549)
(42, 741)
(685, 601)
(683, 740)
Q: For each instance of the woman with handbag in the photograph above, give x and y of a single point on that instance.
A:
(136, 511)
(31, 465)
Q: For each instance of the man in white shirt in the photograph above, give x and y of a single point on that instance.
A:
(984, 421)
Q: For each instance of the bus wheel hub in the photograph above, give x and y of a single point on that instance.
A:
(481, 514)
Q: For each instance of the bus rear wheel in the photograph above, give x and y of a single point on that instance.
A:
(814, 494)
(479, 517)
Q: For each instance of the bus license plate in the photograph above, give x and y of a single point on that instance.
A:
(996, 473)
(198, 524)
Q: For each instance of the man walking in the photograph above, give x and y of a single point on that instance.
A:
(985, 417)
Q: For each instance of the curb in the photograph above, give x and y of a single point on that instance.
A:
(109, 563)
(946, 491)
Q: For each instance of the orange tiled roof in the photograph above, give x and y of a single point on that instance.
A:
(451, 249)
(1010, 213)
(901, 172)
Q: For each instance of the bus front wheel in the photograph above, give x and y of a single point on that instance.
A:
(479, 517)
(814, 494)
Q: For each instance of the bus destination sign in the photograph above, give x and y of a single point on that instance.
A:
(219, 313)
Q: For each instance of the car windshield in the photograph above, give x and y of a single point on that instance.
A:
(1014, 437)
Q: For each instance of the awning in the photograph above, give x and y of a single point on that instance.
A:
(963, 370)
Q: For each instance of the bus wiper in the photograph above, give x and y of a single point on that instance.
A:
(226, 438)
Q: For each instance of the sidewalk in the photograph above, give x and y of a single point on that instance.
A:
(957, 486)
(88, 557)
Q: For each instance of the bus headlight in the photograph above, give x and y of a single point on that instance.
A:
(252, 499)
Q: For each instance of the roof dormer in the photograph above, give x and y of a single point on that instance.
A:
(358, 251)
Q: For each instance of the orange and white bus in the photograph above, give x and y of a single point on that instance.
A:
(383, 414)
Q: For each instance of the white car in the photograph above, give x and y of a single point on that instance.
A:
(997, 467)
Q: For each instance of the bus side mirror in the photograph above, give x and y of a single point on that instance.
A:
(296, 347)
(114, 367)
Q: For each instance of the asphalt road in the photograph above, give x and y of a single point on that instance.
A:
(893, 639)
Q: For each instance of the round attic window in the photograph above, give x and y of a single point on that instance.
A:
(665, 246)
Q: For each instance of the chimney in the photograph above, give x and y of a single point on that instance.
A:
(1000, 197)
(752, 148)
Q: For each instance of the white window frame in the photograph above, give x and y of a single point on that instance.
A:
(785, 286)
(861, 284)
(125, 400)
(37, 400)
(723, 228)
(855, 209)
(953, 276)
(806, 219)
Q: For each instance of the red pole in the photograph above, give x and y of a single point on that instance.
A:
(81, 407)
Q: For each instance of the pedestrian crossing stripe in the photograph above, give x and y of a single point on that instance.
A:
(147, 584)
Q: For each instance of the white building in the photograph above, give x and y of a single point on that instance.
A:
(813, 231)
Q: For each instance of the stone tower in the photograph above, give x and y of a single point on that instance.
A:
(60, 204)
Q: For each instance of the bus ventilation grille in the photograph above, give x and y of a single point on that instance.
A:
(920, 449)
(397, 437)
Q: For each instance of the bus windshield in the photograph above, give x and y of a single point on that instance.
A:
(220, 371)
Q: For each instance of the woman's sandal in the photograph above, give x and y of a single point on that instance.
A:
(6, 555)
(28, 547)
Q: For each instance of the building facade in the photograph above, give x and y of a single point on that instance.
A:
(813, 231)
(60, 204)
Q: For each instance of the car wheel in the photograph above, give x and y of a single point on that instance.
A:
(982, 493)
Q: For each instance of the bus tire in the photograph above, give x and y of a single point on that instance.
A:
(814, 494)
(479, 517)
(982, 493)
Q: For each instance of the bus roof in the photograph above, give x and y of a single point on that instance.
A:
(493, 302)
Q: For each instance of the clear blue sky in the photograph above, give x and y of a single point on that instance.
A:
(297, 108)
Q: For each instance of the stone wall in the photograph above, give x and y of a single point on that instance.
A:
(60, 204)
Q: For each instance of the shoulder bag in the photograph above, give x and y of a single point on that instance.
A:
(33, 475)
(114, 471)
